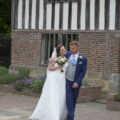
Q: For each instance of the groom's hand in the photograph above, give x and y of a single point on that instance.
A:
(75, 85)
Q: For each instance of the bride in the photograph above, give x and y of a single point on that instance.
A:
(52, 103)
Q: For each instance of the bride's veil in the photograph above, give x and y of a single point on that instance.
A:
(54, 53)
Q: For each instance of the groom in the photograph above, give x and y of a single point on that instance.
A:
(77, 66)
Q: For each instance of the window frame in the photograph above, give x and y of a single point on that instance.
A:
(42, 62)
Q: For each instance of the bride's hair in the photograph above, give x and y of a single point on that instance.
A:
(58, 50)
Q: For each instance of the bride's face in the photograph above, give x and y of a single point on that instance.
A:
(62, 51)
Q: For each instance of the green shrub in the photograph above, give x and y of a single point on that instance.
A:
(19, 85)
(7, 78)
(117, 96)
(20, 78)
(37, 85)
(85, 83)
(3, 70)
(23, 72)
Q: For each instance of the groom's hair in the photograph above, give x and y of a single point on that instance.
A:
(74, 43)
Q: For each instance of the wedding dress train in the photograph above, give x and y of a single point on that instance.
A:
(52, 103)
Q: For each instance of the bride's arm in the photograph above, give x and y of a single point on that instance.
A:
(52, 67)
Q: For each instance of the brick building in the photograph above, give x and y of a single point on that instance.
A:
(39, 25)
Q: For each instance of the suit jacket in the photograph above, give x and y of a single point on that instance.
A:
(81, 68)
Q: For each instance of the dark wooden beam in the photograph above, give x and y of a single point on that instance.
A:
(45, 15)
(61, 16)
(107, 14)
(87, 21)
(97, 12)
(37, 13)
(16, 14)
(117, 15)
(30, 13)
(12, 14)
(23, 14)
(69, 15)
(79, 15)
(53, 15)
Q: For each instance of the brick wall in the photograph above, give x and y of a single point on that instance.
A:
(26, 48)
(102, 50)
(112, 104)
(89, 93)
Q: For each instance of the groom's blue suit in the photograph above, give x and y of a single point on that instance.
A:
(72, 93)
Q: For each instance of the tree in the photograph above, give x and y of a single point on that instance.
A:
(5, 28)
(5, 16)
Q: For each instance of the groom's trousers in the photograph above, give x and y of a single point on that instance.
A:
(71, 98)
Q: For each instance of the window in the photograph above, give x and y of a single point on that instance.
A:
(50, 41)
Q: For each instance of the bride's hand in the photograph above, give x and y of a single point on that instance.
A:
(59, 67)
(51, 60)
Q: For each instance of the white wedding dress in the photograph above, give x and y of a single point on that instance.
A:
(52, 103)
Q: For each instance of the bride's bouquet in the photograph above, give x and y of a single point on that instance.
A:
(61, 60)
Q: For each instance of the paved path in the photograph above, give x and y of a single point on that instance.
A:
(19, 107)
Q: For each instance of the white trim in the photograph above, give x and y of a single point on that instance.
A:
(20, 4)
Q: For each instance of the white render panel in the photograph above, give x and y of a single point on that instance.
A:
(92, 14)
(112, 14)
(57, 12)
(65, 16)
(26, 14)
(41, 9)
(49, 16)
(33, 14)
(83, 6)
(20, 14)
(102, 15)
(74, 16)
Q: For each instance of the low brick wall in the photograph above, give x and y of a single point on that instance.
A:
(112, 104)
(88, 93)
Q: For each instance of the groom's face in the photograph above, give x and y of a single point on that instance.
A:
(74, 49)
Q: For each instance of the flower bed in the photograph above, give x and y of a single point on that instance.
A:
(23, 84)
(111, 103)
(25, 91)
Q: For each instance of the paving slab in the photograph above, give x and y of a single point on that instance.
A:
(20, 107)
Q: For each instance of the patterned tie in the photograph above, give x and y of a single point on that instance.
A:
(73, 59)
